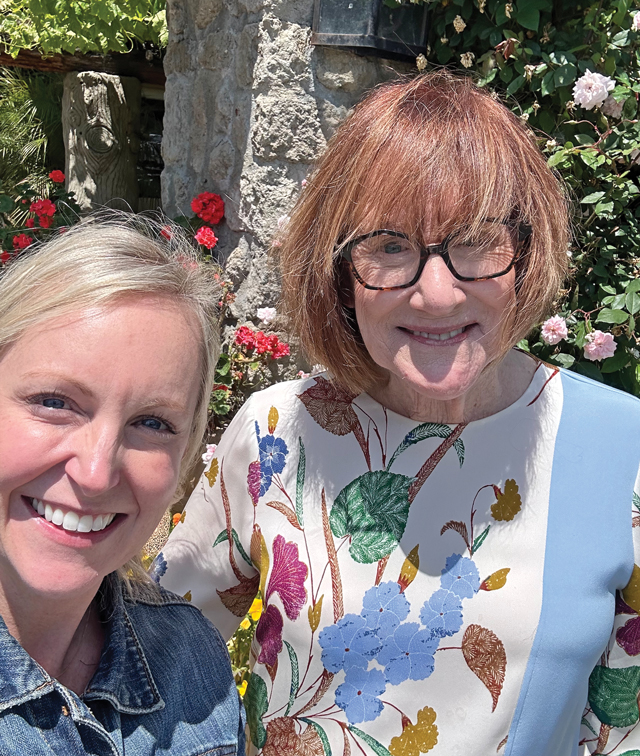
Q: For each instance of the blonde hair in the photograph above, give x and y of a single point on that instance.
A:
(432, 147)
(97, 262)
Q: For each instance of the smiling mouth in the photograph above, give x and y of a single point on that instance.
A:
(437, 336)
(68, 520)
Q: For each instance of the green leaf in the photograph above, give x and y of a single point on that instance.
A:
(633, 285)
(562, 360)
(588, 369)
(607, 315)
(223, 365)
(6, 204)
(422, 432)
(302, 461)
(223, 536)
(528, 15)
(373, 509)
(619, 360)
(376, 747)
(633, 302)
(565, 75)
(548, 84)
(256, 703)
(613, 695)
(321, 734)
(295, 676)
(591, 199)
(480, 539)
(515, 85)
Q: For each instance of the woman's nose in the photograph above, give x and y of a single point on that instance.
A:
(436, 290)
(94, 465)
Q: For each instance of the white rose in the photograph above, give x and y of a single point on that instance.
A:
(266, 314)
(592, 89)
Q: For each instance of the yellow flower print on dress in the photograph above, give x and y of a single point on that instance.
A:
(416, 738)
(509, 503)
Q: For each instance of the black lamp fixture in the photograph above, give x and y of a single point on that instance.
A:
(371, 27)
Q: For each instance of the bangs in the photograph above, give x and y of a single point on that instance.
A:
(437, 171)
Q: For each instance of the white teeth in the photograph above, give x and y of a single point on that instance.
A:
(71, 520)
(85, 524)
(97, 523)
(440, 336)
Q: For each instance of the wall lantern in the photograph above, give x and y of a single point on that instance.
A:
(371, 27)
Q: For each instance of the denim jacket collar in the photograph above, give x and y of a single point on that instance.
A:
(123, 676)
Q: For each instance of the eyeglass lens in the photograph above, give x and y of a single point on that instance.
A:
(387, 260)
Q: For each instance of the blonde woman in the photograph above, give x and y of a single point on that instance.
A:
(108, 342)
(435, 525)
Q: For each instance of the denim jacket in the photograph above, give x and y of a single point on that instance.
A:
(163, 686)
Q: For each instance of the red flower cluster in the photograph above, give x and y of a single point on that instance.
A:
(206, 237)
(30, 223)
(209, 207)
(4, 256)
(57, 177)
(21, 241)
(45, 210)
(261, 342)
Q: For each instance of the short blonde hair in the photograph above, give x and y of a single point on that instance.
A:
(102, 259)
(432, 147)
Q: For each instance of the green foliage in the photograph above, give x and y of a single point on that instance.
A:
(532, 52)
(30, 127)
(102, 26)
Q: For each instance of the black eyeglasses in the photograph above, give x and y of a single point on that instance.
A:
(385, 259)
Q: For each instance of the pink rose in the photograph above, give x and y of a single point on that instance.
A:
(554, 330)
(599, 346)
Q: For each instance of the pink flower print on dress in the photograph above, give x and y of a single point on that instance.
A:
(599, 346)
(554, 330)
(269, 635)
(287, 577)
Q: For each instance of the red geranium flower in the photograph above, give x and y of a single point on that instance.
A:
(43, 207)
(245, 337)
(30, 223)
(45, 221)
(4, 256)
(206, 237)
(209, 207)
(21, 241)
(57, 177)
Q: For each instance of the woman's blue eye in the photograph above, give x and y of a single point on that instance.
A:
(53, 402)
(155, 424)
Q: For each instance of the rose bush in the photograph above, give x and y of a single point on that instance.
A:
(572, 70)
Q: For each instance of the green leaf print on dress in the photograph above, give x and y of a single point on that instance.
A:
(373, 510)
(613, 695)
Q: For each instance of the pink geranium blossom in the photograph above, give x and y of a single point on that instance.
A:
(206, 237)
(554, 330)
(599, 346)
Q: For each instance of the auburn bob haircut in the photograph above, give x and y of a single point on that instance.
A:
(433, 151)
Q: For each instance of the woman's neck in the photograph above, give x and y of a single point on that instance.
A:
(497, 388)
(63, 634)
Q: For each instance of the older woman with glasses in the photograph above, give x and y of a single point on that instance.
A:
(435, 538)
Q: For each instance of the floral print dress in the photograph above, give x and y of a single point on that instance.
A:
(469, 589)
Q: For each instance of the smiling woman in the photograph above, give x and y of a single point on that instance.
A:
(108, 342)
(437, 558)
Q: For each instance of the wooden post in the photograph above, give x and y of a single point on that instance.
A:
(100, 120)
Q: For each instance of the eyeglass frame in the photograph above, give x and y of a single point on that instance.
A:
(524, 233)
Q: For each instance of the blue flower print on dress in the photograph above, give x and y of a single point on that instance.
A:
(347, 644)
(384, 608)
(460, 576)
(158, 568)
(357, 696)
(273, 453)
(408, 653)
(442, 613)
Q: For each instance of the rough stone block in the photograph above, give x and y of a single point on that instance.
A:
(287, 127)
(247, 54)
(284, 55)
(216, 50)
(207, 12)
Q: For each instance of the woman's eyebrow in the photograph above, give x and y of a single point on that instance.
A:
(52, 375)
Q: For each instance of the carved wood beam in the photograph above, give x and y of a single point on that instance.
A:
(132, 64)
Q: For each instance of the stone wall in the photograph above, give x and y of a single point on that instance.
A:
(250, 104)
